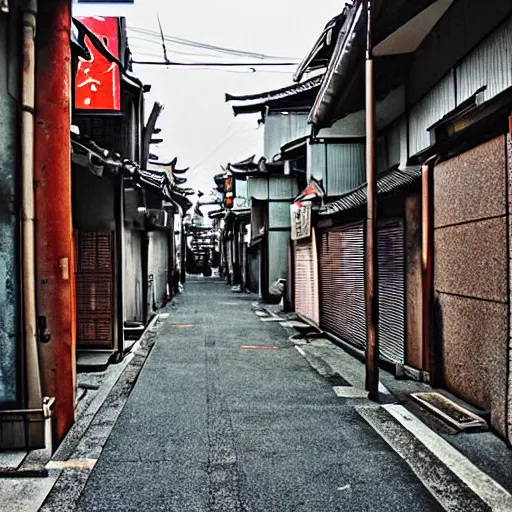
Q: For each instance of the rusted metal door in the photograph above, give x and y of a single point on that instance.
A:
(94, 289)
(306, 280)
(342, 305)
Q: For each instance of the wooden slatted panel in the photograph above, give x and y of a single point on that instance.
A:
(342, 306)
(94, 289)
(306, 281)
(392, 290)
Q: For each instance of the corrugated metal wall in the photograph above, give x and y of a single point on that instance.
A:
(257, 188)
(133, 279)
(316, 161)
(490, 64)
(283, 187)
(438, 102)
(158, 262)
(396, 135)
(281, 129)
(345, 167)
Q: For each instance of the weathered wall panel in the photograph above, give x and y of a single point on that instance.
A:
(278, 255)
(490, 64)
(438, 102)
(470, 277)
(281, 129)
(460, 30)
(279, 214)
(9, 291)
(345, 167)
(483, 169)
(282, 187)
(257, 188)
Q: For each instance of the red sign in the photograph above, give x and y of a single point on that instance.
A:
(97, 84)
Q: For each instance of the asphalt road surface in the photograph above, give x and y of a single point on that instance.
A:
(227, 416)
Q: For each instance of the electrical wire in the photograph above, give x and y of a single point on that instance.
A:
(221, 49)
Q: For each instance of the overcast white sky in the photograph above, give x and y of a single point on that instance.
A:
(197, 125)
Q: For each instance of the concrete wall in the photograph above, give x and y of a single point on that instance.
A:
(471, 275)
(9, 250)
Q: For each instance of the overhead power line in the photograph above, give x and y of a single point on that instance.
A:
(205, 46)
(213, 64)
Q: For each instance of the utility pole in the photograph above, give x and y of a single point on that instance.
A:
(54, 230)
(371, 288)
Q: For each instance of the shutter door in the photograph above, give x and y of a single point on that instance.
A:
(133, 285)
(94, 289)
(392, 290)
(306, 281)
(342, 305)
(158, 260)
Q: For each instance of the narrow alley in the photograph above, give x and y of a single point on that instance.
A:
(226, 415)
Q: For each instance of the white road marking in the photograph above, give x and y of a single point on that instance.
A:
(350, 392)
(479, 482)
(300, 351)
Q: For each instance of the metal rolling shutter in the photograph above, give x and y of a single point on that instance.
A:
(392, 290)
(342, 305)
(306, 281)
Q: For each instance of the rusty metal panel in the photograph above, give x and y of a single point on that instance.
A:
(438, 102)
(489, 64)
(306, 280)
(341, 270)
(391, 279)
(345, 167)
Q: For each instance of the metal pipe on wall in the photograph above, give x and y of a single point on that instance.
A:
(371, 261)
(33, 390)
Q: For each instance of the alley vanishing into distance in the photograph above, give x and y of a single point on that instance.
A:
(226, 415)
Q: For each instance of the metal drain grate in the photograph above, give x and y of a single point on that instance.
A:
(449, 411)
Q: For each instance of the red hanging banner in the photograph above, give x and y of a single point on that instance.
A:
(97, 84)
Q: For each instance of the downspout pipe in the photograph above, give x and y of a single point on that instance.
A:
(371, 261)
(427, 271)
(33, 382)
